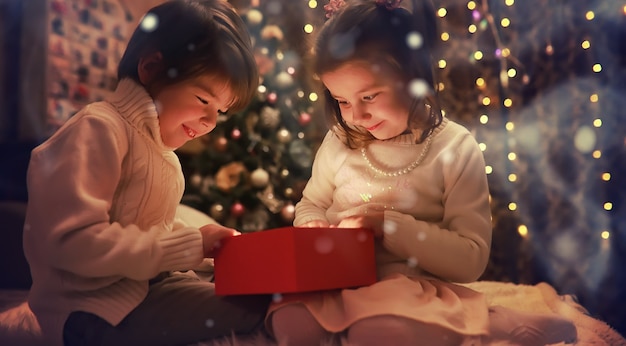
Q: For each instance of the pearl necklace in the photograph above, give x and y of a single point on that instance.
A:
(402, 171)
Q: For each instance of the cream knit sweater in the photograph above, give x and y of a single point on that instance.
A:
(102, 197)
(437, 217)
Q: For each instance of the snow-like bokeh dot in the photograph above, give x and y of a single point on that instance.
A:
(277, 297)
(585, 139)
(390, 227)
(421, 236)
(149, 22)
(27, 227)
(191, 47)
(418, 88)
(324, 245)
(411, 262)
(414, 40)
(209, 323)
(172, 73)
(361, 236)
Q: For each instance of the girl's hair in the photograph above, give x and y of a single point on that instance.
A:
(371, 31)
(195, 37)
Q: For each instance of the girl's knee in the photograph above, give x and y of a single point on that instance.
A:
(396, 330)
(295, 325)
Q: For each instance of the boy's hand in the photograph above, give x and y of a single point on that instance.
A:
(211, 236)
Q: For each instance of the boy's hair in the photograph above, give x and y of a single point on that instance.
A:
(366, 30)
(195, 37)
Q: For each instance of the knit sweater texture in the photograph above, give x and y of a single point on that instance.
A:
(437, 217)
(102, 198)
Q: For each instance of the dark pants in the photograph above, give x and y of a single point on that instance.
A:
(180, 309)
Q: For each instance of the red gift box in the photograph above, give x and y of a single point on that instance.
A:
(293, 259)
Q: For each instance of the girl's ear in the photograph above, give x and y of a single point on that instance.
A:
(150, 67)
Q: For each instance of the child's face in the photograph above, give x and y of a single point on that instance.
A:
(370, 97)
(190, 108)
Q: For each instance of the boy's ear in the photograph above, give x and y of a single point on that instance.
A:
(149, 67)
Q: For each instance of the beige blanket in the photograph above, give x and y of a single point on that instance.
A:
(18, 326)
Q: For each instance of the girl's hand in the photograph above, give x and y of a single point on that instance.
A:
(316, 223)
(211, 236)
(373, 220)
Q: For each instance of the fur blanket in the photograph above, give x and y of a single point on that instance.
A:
(18, 326)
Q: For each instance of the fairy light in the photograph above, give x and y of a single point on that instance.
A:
(480, 82)
(488, 169)
(471, 5)
(590, 15)
(597, 123)
(512, 177)
(313, 97)
(445, 36)
(478, 55)
(441, 12)
(608, 206)
(472, 28)
(507, 103)
(606, 176)
(442, 63)
(484, 119)
(597, 68)
(512, 206)
(308, 28)
(313, 4)
(586, 44)
(522, 230)
(505, 22)
(482, 146)
(605, 234)
(593, 98)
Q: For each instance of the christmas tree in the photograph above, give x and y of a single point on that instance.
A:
(250, 171)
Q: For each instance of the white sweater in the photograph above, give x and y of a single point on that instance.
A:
(102, 198)
(439, 214)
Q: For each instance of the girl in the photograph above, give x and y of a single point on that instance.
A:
(100, 235)
(394, 164)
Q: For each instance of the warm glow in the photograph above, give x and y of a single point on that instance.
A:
(313, 97)
(509, 126)
(596, 154)
(511, 72)
(606, 176)
(590, 15)
(308, 28)
(605, 234)
(593, 98)
(608, 206)
(442, 63)
(512, 177)
(509, 2)
(505, 22)
(488, 169)
(486, 101)
(512, 156)
(442, 12)
(597, 68)
(472, 28)
(508, 103)
(482, 146)
(597, 123)
(484, 119)
(586, 44)
(312, 4)
(522, 230)
(480, 82)
(472, 5)
(478, 55)
(445, 36)
(512, 206)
